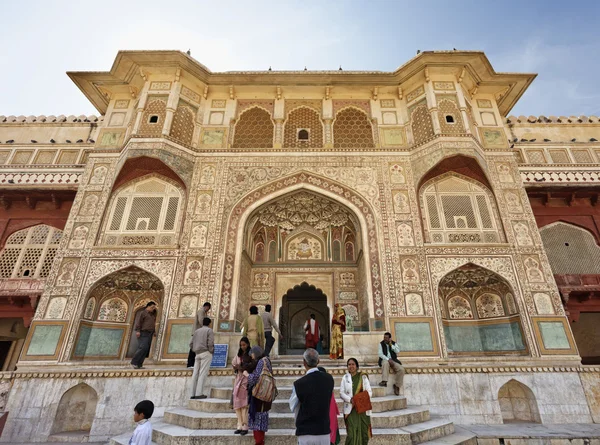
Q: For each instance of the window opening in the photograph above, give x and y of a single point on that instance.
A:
(450, 119)
(303, 135)
(153, 119)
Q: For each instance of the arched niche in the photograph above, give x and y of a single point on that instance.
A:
(76, 410)
(147, 210)
(457, 209)
(478, 314)
(518, 403)
(113, 306)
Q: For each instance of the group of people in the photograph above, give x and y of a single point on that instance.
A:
(312, 400)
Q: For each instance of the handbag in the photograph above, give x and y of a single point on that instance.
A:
(265, 389)
(362, 401)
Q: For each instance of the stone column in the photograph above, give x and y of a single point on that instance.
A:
(462, 104)
(278, 143)
(140, 108)
(328, 122)
(171, 108)
(433, 109)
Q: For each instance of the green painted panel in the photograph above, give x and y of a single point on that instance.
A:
(414, 336)
(179, 342)
(44, 340)
(554, 335)
(484, 338)
(98, 341)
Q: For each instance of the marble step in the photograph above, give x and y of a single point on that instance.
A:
(439, 431)
(288, 380)
(196, 420)
(280, 405)
(285, 392)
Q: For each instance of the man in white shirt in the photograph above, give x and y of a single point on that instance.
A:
(388, 359)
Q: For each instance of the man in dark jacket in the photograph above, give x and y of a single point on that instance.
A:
(388, 349)
(144, 331)
(310, 400)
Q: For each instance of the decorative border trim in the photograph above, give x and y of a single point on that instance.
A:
(435, 352)
(118, 373)
(540, 341)
(61, 338)
(100, 325)
(170, 323)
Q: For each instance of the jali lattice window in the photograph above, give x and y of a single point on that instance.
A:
(29, 253)
(459, 211)
(144, 213)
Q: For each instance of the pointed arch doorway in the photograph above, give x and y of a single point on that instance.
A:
(296, 306)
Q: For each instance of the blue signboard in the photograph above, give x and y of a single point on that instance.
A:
(219, 359)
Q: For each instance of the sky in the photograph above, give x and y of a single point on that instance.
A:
(559, 40)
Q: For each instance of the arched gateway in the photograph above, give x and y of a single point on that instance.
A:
(302, 230)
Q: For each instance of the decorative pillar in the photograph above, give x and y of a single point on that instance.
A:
(171, 108)
(462, 105)
(140, 108)
(433, 109)
(328, 118)
(328, 132)
(278, 143)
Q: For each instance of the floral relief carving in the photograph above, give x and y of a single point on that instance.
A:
(89, 205)
(193, 272)
(347, 279)
(99, 175)
(397, 174)
(522, 234)
(261, 279)
(532, 269)
(543, 304)
(489, 305)
(79, 237)
(199, 233)
(188, 306)
(404, 233)
(414, 304)
(67, 273)
(114, 309)
(410, 272)
(459, 308)
(401, 202)
(56, 308)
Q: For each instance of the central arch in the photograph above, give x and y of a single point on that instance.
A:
(232, 286)
(296, 306)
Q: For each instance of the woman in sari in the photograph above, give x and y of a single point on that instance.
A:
(242, 362)
(358, 426)
(338, 327)
(258, 413)
(253, 328)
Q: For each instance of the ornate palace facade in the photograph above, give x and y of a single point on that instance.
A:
(408, 197)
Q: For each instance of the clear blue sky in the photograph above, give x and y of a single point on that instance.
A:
(41, 40)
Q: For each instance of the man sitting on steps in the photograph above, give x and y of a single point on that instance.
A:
(388, 359)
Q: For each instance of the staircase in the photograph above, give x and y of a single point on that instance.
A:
(211, 421)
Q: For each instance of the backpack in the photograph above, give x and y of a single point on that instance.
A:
(265, 389)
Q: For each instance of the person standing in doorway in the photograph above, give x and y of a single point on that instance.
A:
(388, 359)
(269, 324)
(203, 344)
(200, 315)
(253, 328)
(145, 329)
(312, 332)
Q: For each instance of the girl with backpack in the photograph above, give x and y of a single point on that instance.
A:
(261, 377)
